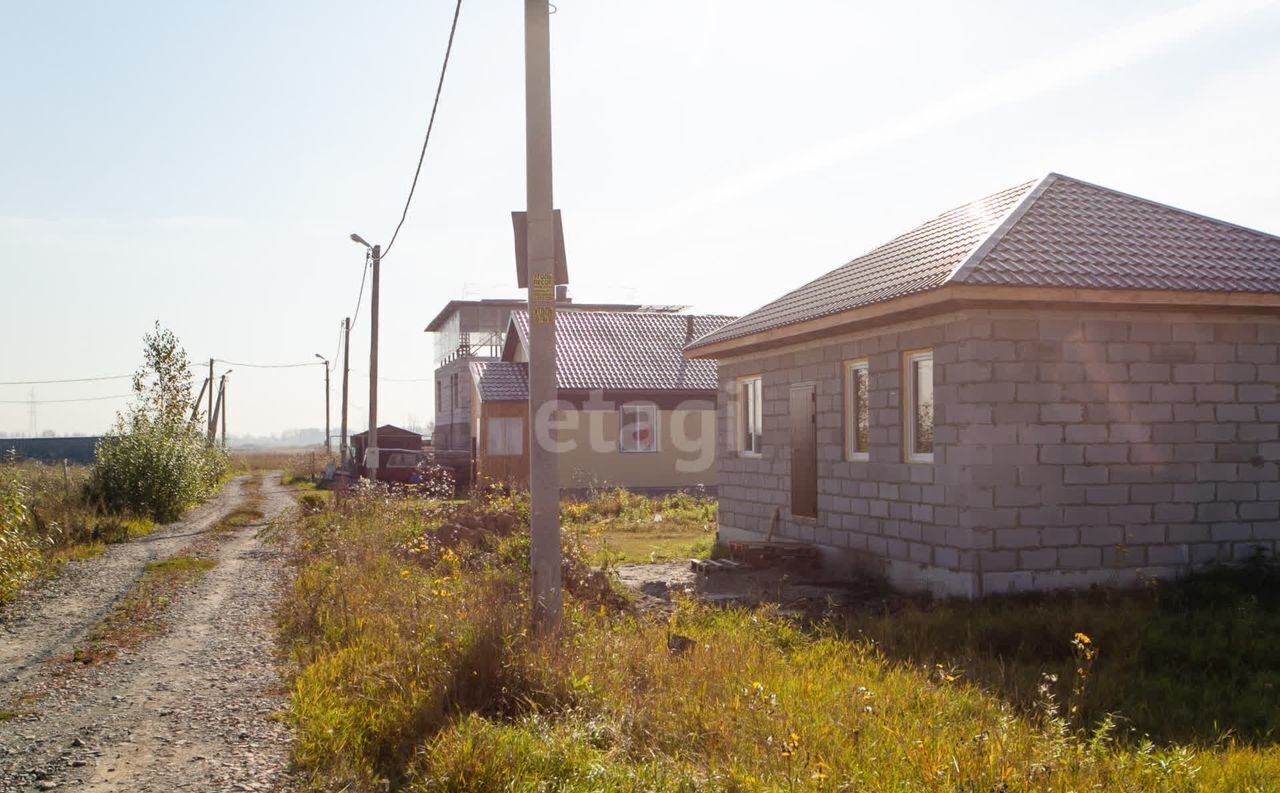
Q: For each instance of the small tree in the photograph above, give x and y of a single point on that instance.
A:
(156, 460)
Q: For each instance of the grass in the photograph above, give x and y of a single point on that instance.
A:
(57, 522)
(140, 614)
(1181, 661)
(621, 527)
(413, 667)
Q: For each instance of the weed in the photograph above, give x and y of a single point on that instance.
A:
(413, 667)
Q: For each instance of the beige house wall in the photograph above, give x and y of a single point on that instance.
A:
(685, 457)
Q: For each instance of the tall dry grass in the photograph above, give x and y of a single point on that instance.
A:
(407, 625)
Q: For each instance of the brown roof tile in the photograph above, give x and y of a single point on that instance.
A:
(1056, 232)
(628, 350)
(500, 381)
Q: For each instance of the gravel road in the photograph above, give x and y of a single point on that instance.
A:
(190, 709)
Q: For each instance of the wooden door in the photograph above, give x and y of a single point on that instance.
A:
(804, 451)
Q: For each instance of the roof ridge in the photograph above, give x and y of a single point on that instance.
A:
(1162, 205)
(997, 232)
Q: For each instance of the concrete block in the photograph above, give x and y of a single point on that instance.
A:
(1086, 433)
(1079, 558)
(1169, 555)
(1260, 510)
(998, 561)
(1188, 532)
(1229, 531)
(1151, 372)
(1107, 494)
(1236, 491)
(1178, 352)
(1086, 474)
(1193, 373)
(1038, 559)
(1236, 412)
(1124, 556)
(1062, 454)
(1059, 412)
(1257, 353)
(1100, 535)
(1129, 513)
(1174, 513)
(1145, 533)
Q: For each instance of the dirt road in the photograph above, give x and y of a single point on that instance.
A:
(190, 709)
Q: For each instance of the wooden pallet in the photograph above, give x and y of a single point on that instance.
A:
(711, 566)
(764, 554)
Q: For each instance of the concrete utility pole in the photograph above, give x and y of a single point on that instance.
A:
(222, 399)
(328, 439)
(209, 415)
(346, 372)
(544, 479)
(371, 456)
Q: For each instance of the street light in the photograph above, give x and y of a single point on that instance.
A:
(371, 452)
(328, 444)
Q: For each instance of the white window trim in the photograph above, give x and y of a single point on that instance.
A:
(850, 415)
(740, 430)
(909, 360)
(653, 409)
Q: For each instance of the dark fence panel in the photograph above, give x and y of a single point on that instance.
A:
(76, 450)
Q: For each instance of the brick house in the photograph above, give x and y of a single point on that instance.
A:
(1054, 386)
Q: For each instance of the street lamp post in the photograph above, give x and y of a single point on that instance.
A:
(371, 453)
(328, 442)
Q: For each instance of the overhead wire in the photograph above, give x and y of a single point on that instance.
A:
(54, 401)
(430, 123)
(69, 380)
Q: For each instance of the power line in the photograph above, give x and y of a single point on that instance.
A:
(55, 401)
(430, 123)
(266, 365)
(69, 380)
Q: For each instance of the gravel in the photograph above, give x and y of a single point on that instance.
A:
(194, 708)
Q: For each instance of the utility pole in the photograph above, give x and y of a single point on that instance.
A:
(371, 456)
(346, 373)
(328, 439)
(544, 484)
(222, 400)
(195, 409)
(209, 415)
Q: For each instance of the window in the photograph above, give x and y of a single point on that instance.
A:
(439, 404)
(918, 407)
(453, 391)
(506, 437)
(857, 411)
(638, 431)
(402, 460)
(750, 417)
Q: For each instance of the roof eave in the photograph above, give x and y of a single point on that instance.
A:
(954, 296)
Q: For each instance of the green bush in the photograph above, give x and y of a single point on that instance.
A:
(19, 548)
(156, 461)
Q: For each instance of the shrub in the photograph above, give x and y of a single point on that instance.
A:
(156, 461)
(19, 548)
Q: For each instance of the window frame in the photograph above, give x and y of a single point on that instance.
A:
(622, 424)
(740, 420)
(851, 452)
(909, 408)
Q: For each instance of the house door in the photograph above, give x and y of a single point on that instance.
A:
(804, 451)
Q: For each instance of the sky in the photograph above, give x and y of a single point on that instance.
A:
(202, 164)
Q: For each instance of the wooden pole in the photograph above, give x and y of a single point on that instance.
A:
(195, 409)
(544, 484)
(346, 374)
(371, 455)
